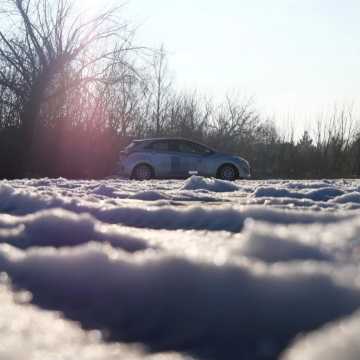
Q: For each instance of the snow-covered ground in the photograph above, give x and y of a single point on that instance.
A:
(175, 270)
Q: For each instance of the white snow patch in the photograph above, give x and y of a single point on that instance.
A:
(212, 269)
(149, 195)
(269, 244)
(200, 183)
(28, 333)
(339, 340)
(353, 197)
(173, 304)
(321, 194)
(59, 228)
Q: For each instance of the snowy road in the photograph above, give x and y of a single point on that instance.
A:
(174, 270)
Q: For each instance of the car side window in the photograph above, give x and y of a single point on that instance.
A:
(203, 150)
(192, 148)
(159, 146)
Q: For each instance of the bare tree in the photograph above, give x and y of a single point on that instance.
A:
(235, 121)
(47, 50)
(126, 103)
(161, 88)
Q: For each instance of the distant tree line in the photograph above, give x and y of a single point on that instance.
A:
(74, 90)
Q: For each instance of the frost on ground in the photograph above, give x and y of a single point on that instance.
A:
(168, 270)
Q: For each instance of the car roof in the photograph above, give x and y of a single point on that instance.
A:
(160, 139)
(170, 138)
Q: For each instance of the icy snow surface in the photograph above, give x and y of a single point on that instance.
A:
(179, 270)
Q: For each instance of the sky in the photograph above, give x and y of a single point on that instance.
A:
(297, 59)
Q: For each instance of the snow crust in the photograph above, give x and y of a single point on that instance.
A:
(195, 269)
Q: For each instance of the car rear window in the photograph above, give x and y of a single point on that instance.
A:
(131, 146)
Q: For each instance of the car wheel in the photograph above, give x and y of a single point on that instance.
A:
(228, 172)
(142, 172)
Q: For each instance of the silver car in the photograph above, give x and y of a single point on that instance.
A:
(178, 158)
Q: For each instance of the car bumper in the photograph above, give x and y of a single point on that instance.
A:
(120, 169)
(244, 173)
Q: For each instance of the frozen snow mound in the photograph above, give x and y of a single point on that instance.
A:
(223, 217)
(201, 267)
(215, 185)
(174, 304)
(28, 333)
(337, 341)
(320, 194)
(59, 228)
(353, 197)
(309, 184)
(267, 243)
(149, 195)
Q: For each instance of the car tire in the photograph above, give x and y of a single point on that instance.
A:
(228, 172)
(143, 172)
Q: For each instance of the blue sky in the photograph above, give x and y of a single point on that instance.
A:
(296, 58)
